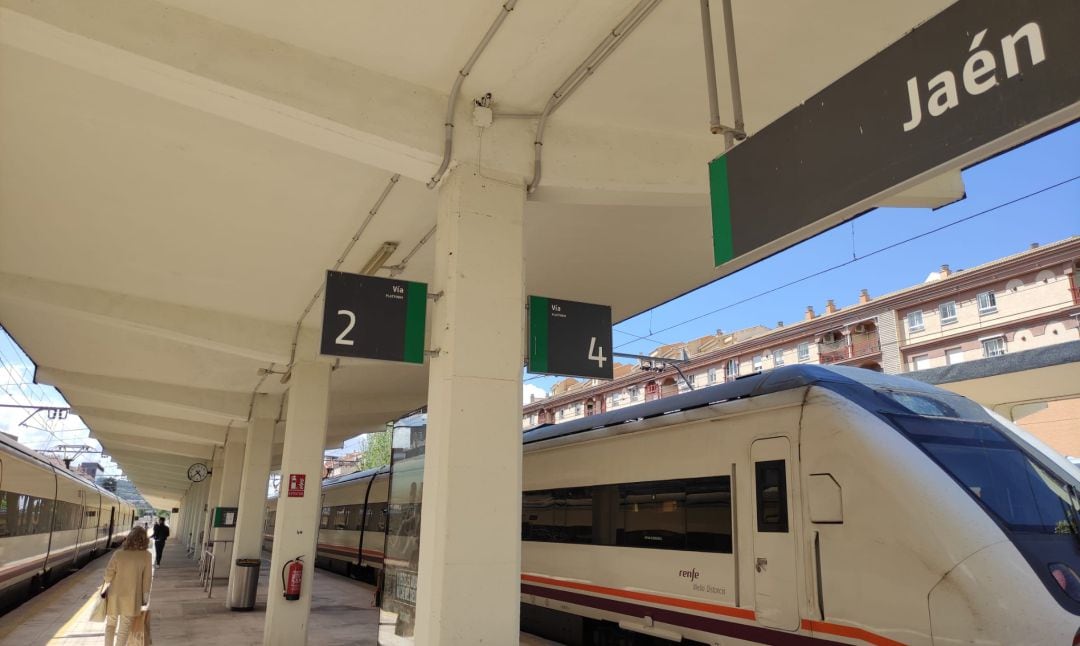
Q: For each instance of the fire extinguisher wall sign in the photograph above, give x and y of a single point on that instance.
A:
(292, 576)
(297, 481)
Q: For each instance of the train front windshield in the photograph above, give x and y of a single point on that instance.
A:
(1021, 493)
(1034, 502)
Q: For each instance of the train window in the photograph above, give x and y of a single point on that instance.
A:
(22, 515)
(558, 515)
(324, 521)
(1022, 493)
(772, 508)
(687, 514)
(376, 517)
(683, 514)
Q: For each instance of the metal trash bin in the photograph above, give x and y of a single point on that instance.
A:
(242, 595)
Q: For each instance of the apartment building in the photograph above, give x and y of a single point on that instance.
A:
(1023, 301)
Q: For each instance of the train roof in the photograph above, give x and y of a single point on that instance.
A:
(762, 383)
(29, 454)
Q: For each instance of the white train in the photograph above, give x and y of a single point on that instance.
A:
(799, 506)
(50, 521)
(352, 528)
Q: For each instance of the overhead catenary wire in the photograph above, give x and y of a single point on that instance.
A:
(463, 73)
(875, 252)
(582, 72)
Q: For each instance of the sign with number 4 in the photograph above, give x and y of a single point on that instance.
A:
(569, 338)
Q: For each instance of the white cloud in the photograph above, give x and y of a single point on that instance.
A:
(529, 390)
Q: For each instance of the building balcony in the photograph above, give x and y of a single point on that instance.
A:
(860, 345)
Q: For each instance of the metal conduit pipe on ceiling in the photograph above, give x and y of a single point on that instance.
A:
(739, 132)
(715, 126)
(390, 184)
(448, 124)
(582, 72)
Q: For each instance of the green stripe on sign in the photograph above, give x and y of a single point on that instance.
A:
(538, 334)
(415, 321)
(723, 247)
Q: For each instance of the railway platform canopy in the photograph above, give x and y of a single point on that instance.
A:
(179, 175)
(1016, 384)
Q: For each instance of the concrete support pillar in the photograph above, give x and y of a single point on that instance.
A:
(249, 524)
(468, 590)
(229, 496)
(297, 525)
(200, 516)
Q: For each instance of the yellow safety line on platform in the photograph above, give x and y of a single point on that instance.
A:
(84, 609)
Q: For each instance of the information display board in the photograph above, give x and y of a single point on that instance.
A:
(373, 318)
(569, 338)
(225, 516)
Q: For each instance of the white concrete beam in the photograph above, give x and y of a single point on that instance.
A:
(224, 404)
(232, 334)
(338, 107)
(257, 81)
(165, 427)
(158, 477)
(109, 439)
(142, 457)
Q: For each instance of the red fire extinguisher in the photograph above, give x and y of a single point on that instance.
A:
(292, 575)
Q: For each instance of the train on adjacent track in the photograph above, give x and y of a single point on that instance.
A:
(50, 522)
(802, 505)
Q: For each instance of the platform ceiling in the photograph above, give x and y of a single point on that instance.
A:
(176, 176)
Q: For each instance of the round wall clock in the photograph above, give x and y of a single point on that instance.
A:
(197, 472)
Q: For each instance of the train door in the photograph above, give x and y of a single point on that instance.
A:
(112, 526)
(776, 600)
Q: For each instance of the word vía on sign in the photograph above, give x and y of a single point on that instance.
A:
(569, 338)
(978, 75)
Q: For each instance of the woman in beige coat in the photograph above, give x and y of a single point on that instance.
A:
(128, 578)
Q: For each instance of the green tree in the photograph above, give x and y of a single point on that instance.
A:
(109, 484)
(377, 450)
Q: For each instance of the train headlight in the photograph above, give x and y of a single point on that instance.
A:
(1067, 578)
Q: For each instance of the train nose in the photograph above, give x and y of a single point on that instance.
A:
(993, 597)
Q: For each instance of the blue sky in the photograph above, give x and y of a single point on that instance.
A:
(1047, 217)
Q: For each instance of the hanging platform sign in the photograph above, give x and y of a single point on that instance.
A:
(373, 318)
(569, 338)
(981, 76)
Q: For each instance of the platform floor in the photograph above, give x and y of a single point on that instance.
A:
(341, 611)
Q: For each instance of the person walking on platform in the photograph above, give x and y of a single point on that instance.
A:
(127, 587)
(161, 534)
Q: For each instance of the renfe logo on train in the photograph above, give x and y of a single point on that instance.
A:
(979, 74)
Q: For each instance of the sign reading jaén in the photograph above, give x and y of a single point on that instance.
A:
(970, 76)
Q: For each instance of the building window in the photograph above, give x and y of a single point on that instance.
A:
(994, 347)
(948, 312)
(914, 321)
(778, 357)
(732, 369)
(757, 363)
(804, 351)
(987, 303)
(577, 408)
(954, 356)
(712, 376)
(632, 391)
(920, 362)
